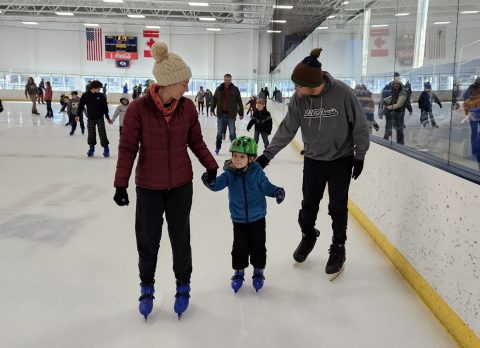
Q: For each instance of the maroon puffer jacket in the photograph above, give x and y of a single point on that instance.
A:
(163, 161)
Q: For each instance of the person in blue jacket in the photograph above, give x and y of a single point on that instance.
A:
(247, 187)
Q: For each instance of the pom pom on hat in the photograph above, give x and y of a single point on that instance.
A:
(308, 73)
(159, 51)
(169, 69)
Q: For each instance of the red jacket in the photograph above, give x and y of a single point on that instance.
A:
(48, 94)
(163, 161)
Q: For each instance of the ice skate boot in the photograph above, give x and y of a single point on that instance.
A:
(91, 151)
(257, 279)
(182, 298)
(106, 151)
(237, 280)
(146, 299)
(305, 247)
(336, 261)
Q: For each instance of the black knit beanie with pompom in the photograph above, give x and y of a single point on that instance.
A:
(308, 73)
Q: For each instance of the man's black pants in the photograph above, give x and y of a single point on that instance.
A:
(151, 205)
(249, 240)
(316, 175)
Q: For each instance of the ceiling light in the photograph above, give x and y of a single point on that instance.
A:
(90, 25)
(274, 31)
(116, 1)
(441, 23)
(198, 4)
(278, 21)
(379, 25)
(402, 14)
(207, 19)
(345, 2)
(213, 29)
(321, 28)
(64, 13)
(135, 16)
(469, 12)
(32, 23)
(283, 7)
(152, 26)
(331, 17)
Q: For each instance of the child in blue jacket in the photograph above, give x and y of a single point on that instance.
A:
(247, 187)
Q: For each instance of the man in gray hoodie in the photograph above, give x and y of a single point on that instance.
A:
(335, 135)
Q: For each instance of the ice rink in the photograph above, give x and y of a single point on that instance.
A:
(68, 260)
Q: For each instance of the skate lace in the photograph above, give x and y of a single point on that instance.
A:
(144, 296)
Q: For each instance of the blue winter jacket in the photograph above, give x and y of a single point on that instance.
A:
(246, 191)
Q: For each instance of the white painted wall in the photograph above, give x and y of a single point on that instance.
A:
(209, 54)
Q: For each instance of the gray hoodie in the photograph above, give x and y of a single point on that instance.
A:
(120, 113)
(333, 124)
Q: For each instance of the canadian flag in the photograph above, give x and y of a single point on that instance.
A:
(149, 39)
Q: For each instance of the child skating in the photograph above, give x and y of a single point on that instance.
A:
(247, 187)
(73, 115)
(120, 112)
(262, 120)
(97, 108)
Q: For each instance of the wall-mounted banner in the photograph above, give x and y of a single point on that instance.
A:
(379, 40)
(122, 63)
(149, 37)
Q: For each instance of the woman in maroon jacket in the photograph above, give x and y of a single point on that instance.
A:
(161, 126)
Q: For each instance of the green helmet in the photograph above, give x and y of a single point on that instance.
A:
(244, 145)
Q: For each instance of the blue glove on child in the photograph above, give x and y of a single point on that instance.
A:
(279, 195)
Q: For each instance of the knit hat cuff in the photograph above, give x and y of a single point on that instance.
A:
(309, 84)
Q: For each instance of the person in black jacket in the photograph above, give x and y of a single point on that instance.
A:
(425, 105)
(262, 120)
(97, 108)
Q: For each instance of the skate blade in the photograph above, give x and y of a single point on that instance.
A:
(179, 316)
(335, 275)
(146, 317)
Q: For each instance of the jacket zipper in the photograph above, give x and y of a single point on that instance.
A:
(245, 196)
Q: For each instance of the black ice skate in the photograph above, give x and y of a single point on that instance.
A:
(305, 247)
(336, 261)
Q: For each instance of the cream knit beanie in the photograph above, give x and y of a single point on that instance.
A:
(169, 68)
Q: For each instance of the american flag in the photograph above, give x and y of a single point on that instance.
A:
(94, 44)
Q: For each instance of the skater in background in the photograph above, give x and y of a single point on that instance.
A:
(73, 115)
(31, 92)
(164, 172)
(471, 107)
(1, 106)
(228, 103)
(252, 105)
(262, 120)
(120, 113)
(125, 89)
(365, 97)
(425, 105)
(134, 92)
(48, 99)
(408, 101)
(64, 99)
(41, 88)
(97, 108)
(394, 111)
(241, 174)
(208, 100)
(200, 99)
(335, 134)
(104, 91)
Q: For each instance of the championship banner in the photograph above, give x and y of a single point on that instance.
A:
(149, 37)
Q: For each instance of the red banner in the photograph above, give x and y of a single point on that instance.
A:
(151, 33)
(121, 55)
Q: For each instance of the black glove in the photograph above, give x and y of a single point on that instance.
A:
(263, 161)
(121, 196)
(357, 168)
(209, 177)
(280, 195)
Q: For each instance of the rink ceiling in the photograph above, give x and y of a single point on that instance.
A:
(68, 262)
